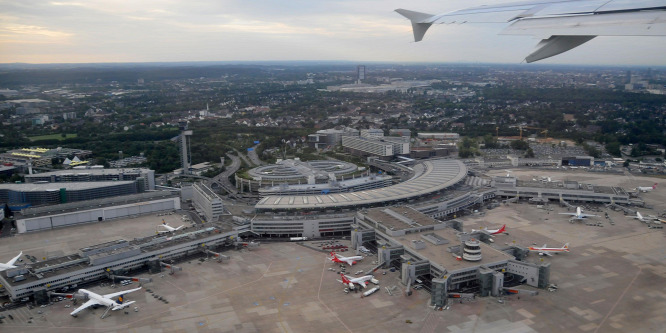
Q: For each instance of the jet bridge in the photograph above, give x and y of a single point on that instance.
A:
(387, 255)
(361, 236)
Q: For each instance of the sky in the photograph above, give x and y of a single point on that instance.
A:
(93, 31)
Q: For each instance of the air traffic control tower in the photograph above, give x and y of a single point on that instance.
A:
(184, 146)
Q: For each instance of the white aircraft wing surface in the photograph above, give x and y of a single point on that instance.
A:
(561, 24)
(120, 293)
(85, 305)
(11, 262)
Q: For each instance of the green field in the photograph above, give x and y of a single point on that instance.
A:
(52, 137)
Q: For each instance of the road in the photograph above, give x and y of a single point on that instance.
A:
(223, 178)
(252, 154)
(245, 159)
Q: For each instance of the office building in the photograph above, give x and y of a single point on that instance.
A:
(206, 202)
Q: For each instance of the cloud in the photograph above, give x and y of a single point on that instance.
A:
(364, 30)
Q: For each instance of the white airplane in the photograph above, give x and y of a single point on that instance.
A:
(562, 24)
(493, 231)
(548, 180)
(168, 227)
(340, 259)
(640, 217)
(10, 264)
(646, 188)
(105, 300)
(350, 281)
(548, 251)
(578, 215)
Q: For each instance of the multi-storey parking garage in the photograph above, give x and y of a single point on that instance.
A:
(430, 177)
(296, 172)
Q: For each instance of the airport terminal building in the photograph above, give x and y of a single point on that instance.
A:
(439, 256)
(571, 191)
(117, 257)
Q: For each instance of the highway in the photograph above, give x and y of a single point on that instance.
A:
(223, 178)
(252, 154)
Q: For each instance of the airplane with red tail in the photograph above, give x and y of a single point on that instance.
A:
(350, 281)
(493, 231)
(340, 259)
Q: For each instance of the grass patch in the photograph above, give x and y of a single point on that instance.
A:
(57, 136)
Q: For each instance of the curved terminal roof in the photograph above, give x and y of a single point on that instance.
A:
(430, 176)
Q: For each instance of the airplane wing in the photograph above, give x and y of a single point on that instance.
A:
(574, 214)
(350, 262)
(5, 266)
(587, 215)
(11, 262)
(120, 293)
(561, 24)
(545, 253)
(85, 305)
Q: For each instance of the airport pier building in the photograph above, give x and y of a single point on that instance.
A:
(570, 191)
(437, 256)
(117, 257)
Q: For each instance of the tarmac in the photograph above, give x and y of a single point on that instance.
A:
(613, 280)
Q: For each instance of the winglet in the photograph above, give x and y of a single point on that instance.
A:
(419, 20)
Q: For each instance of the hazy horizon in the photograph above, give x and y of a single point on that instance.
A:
(103, 31)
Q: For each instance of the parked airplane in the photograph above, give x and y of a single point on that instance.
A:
(106, 300)
(646, 188)
(545, 179)
(578, 215)
(563, 24)
(350, 281)
(10, 264)
(640, 217)
(493, 231)
(548, 251)
(168, 227)
(340, 259)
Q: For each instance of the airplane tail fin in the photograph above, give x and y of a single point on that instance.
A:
(502, 229)
(654, 186)
(566, 246)
(419, 22)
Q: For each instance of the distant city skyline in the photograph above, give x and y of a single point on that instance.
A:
(96, 31)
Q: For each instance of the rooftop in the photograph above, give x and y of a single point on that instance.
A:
(430, 176)
(439, 254)
(400, 217)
